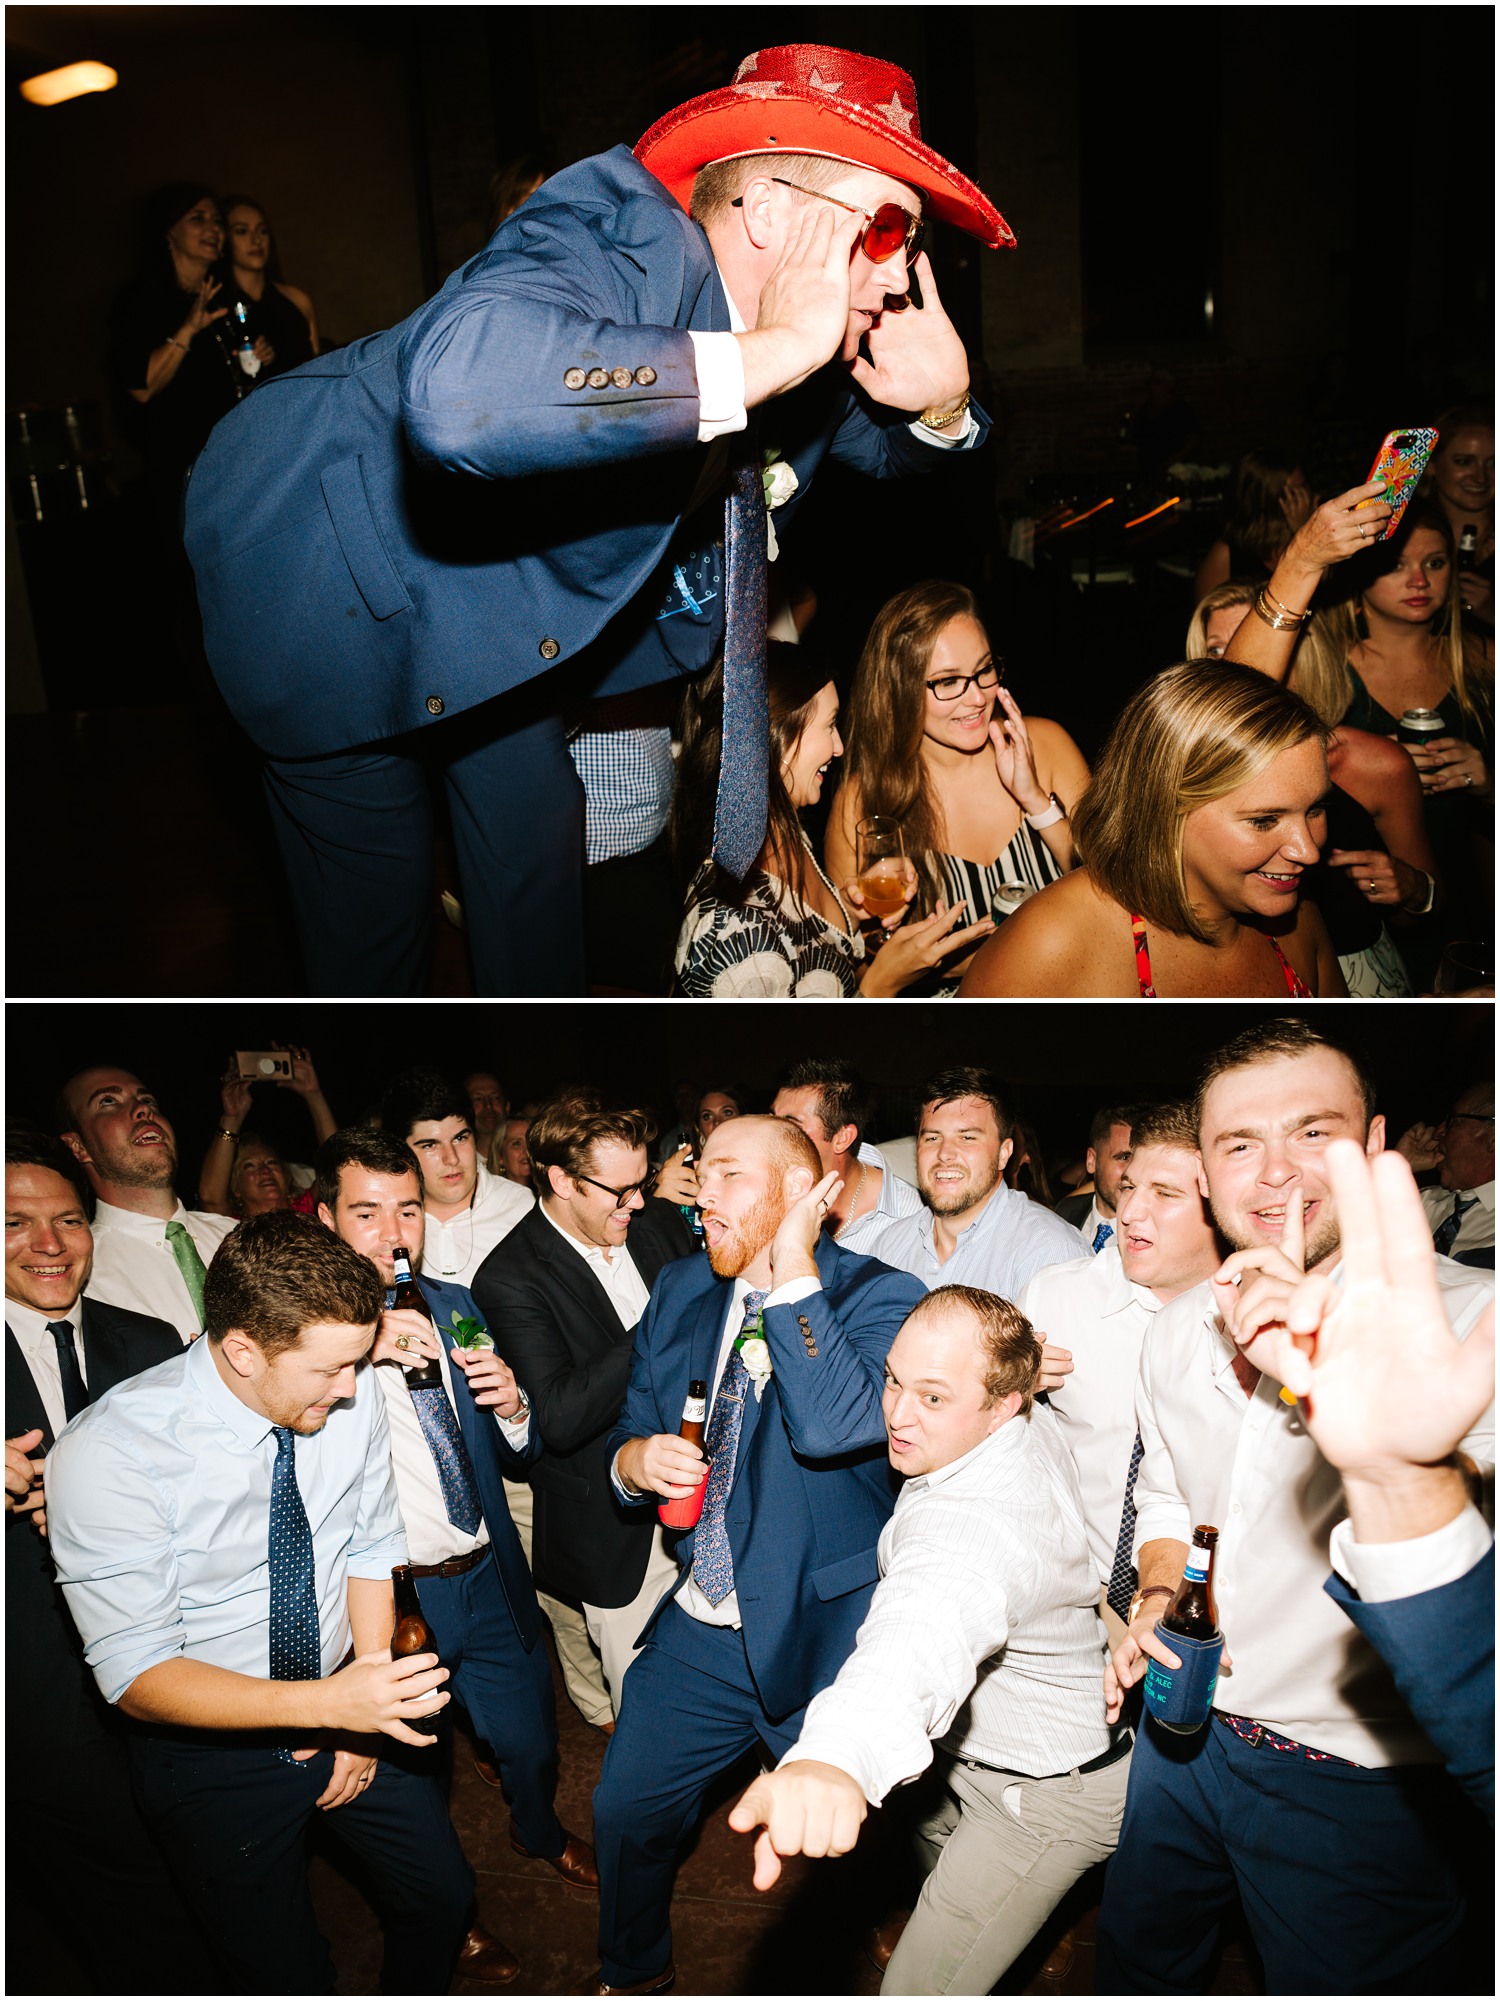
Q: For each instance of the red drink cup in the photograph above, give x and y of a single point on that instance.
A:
(684, 1513)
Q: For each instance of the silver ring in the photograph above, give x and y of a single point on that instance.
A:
(1468, 778)
(1371, 883)
(403, 1340)
(1361, 534)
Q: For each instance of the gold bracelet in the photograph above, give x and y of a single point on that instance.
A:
(935, 420)
(1285, 609)
(1278, 621)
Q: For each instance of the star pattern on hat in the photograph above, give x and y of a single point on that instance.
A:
(896, 112)
(749, 66)
(815, 82)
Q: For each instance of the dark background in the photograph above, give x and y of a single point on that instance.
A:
(1060, 1059)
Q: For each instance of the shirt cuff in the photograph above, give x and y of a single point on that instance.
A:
(721, 385)
(627, 1494)
(1379, 1571)
(794, 1291)
(831, 1743)
(942, 438)
(516, 1431)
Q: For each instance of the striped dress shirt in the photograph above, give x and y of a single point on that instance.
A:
(984, 1631)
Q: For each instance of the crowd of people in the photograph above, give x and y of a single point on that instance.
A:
(860, 1453)
(467, 579)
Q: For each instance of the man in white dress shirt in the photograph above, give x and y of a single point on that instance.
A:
(1097, 1310)
(829, 1099)
(1311, 1794)
(150, 1253)
(468, 1209)
(973, 1230)
(982, 1638)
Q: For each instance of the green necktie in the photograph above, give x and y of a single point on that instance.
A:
(185, 1251)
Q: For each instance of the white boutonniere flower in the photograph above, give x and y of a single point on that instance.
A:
(755, 1352)
(780, 483)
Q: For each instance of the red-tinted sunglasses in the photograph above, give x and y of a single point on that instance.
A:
(889, 229)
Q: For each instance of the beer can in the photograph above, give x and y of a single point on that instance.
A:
(1420, 726)
(1180, 1698)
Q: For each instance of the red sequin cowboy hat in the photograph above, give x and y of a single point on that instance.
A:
(807, 99)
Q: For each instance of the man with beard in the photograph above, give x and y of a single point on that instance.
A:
(1097, 1311)
(973, 1230)
(1311, 1793)
(1093, 1215)
(150, 1253)
(790, 1334)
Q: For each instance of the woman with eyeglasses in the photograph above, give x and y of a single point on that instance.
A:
(937, 742)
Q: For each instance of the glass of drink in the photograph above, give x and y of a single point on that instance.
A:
(882, 872)
(1466, 967)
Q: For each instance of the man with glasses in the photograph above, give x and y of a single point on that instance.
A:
(1461, 1207)
(556, 464)
(567, 1288)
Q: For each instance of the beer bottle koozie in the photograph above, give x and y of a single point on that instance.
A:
(1180, 1699)
(684, 1513)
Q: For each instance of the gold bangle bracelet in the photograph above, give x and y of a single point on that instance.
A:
(1285, 609)
(935, 420)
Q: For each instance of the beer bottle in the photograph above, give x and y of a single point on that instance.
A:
(684, 1513)
(1192, 1612)
(411, 1634)
(689, 1210)
(427, 1372)
(1468, 544)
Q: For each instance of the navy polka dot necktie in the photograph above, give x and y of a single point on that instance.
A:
(1122, 1576)
(713, 1565)
(296, 1650)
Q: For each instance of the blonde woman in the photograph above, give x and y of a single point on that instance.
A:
(937, 742)
(1195, 834)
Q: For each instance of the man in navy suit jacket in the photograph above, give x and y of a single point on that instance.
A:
(67, 1783)
(520, 484)
(779, 1572)
(473, 1581)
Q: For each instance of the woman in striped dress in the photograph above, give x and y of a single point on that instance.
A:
(936, 741)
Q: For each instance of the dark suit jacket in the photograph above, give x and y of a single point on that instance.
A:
(555, 1325)
(436, 514)
(494, 1460)
(812, 1484)
(1440, 1648)
(46, 1681)
(1073, 1208)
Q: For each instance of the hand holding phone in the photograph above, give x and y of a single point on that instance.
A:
(1400, 462)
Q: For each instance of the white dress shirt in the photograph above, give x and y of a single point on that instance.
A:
(897, 1198)
(615, 1270)
(1249, 1466)
(158, 1512)
(40, 1350)
(984, 1630)
(1091, 1308)
(1010, 1241)
(1090, 1224)
(454, 1251)
(1379, 1571)
(134, 1265)
(1476, 1227)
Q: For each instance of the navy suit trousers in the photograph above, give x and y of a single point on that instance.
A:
(689, 1710)
(1342, 1872)
(356, 837)
(507, 1692)
(232, 1819)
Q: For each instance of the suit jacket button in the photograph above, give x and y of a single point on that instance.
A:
(621, 377)
(549, 649)
(802, 1322)
(812, 1353)
(574, 379)
(645, 377)
(434, 705)
(598, 378)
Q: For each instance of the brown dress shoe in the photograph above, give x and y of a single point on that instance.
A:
(880, 1941)
(576, 1864)
(483, 1958)
(657, 1985)
(1059, 1962)
(487, 1772)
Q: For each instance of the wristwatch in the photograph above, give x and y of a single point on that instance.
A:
(524, 1411)
(1151, 1591)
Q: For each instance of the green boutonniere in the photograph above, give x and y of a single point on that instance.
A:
(471, 1334)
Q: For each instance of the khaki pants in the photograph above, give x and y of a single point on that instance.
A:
(1005, 1851)
(580, 1664)
(613, 1628)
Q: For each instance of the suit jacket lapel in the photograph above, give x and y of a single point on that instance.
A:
(577, 1280)
(24, 1409)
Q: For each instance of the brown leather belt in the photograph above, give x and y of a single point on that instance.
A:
(454, 1567)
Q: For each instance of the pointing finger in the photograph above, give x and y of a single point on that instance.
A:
(1294, 1233)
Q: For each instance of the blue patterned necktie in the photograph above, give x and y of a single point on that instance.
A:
(1122, 1572)
(740, 806)
(713, 1566)
(439, 1422)
(1446, 1234)
(296, 1650)
(1101, 1237)
(75, 1395)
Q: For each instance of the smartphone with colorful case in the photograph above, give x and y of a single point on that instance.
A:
(1400, 462)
